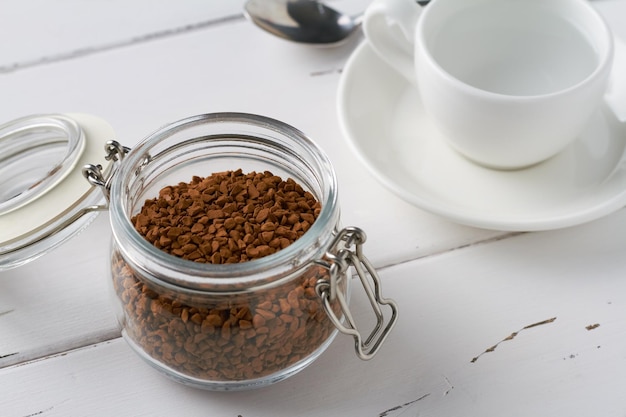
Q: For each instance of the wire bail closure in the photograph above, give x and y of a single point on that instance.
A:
(338, 261)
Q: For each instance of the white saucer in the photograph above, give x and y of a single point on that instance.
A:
(382, 117)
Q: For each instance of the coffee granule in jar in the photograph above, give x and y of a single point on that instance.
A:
(226, 218)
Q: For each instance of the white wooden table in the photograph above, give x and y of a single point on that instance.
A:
(491, 323)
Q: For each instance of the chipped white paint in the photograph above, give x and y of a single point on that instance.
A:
(506, 325)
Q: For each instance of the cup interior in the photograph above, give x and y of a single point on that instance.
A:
(516, 47)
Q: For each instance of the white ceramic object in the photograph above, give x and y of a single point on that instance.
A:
(511, 83)
(385, 123)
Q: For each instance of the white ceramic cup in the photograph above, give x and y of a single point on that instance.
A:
(509, 83)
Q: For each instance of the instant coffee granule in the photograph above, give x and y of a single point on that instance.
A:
(226, 218)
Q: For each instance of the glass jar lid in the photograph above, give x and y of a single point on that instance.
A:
(44, 198)
(38, 152)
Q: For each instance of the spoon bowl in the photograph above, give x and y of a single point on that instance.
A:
(303, 21)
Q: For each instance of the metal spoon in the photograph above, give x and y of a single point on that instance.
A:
(304, 21)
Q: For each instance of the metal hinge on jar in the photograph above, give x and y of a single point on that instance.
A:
(346, 251)
(96, 175)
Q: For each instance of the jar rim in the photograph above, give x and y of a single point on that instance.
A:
(201, 276)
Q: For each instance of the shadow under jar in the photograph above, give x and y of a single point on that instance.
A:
(240, 325)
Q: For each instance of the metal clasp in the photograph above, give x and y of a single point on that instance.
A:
(338, 261)
(98, 176)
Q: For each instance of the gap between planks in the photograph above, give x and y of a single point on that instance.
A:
(148, 37)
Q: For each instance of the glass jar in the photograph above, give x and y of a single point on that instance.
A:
(243, 325)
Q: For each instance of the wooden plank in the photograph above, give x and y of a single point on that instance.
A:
(60, 303)
(495, 329)
(47, 31)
